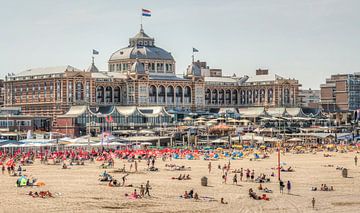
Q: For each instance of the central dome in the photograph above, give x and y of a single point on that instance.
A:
(141, 46)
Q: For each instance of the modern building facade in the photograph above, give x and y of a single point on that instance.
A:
(143, 75)
(340, 93)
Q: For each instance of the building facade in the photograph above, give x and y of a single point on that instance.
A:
(309, 98)
(340, 93)
(144, 75)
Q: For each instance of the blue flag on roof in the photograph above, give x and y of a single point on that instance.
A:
(95, 52)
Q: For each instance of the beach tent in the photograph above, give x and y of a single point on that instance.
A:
(21, 181)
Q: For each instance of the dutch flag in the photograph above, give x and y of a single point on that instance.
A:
(146, 12)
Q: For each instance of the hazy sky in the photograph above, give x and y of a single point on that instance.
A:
(307, 39)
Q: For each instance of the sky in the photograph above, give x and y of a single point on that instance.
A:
(308, 40)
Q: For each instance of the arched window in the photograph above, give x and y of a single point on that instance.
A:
(214, 98)
(187, 95)
(249, 97)
(152, 94)
(179, 94)
(242, 97)
(228, 97)
(79, 91)
(221, 96)
(108, 94)
(161, 94)
(100, 96)
(262, 96)
(270, 96)
(208, 96)
(287, 96)
(170, 94)
(117, 95)
(234, 97)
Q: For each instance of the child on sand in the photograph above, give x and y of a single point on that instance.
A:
(222, 201)
(142, 191)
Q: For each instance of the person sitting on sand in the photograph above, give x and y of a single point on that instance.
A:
(260, 187)
(253, 195)
(183, 177)
(135, 194)
(326, 188)
(196, 196)
(186, 195)
(188, 177)
(64, 166)
(264, 197)
(222, 201)
(191, 193)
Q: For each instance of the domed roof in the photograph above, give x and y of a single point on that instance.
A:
(137, 67)
(141, 46)
(193, 70)
(141, 52)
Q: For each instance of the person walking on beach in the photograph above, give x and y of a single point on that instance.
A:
(153, 162)
(313, 202)
(235, 179)
(136, 165)
(288, 186)
(241, 174)
(148, 162)
(356, 159)
(281, 183)
(209, 167)
(147, 188)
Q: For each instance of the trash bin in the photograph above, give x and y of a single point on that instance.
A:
(345, 173)
(204, 181)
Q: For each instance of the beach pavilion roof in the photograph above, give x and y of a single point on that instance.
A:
(149, 112)
(294, 112)
(276, 112)
(126, 110)
(252, 112)
(75, 111)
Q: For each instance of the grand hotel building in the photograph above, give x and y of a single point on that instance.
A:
(143, 76)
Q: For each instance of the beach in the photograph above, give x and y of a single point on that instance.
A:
(78, 189)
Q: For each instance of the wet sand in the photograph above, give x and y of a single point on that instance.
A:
(79, 190)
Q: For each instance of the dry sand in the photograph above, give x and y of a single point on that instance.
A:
(82, 192)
